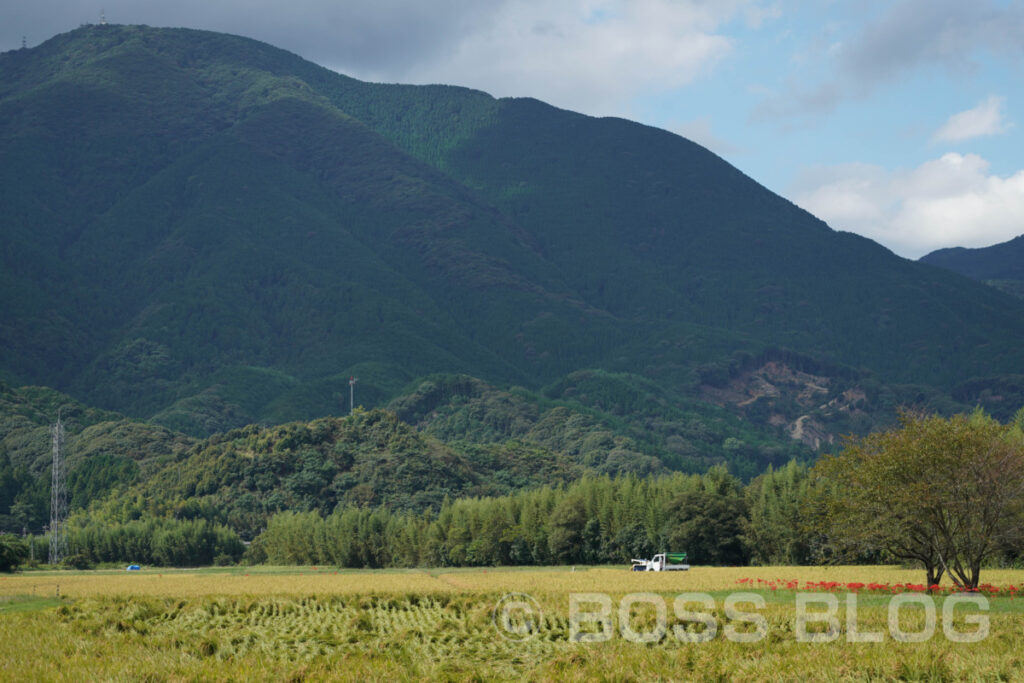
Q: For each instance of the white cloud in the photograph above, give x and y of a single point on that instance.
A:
(985, 119)
(912, 33)
(851, 60)
(588, 55)
(946, 202)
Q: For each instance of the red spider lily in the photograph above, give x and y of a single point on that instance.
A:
(896, 588)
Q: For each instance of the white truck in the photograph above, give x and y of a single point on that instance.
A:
(662, 562)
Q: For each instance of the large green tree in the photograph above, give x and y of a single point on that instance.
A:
(708, 522)
(948, 493)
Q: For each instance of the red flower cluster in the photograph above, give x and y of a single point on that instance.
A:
(857, 587)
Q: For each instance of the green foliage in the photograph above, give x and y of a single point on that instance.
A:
(702, 245)
(97, 476)
(242, 477)
(594, 520)
(24, 499)
(998, 262)
(1011, 287)
(104, 451)
(612, 423)
(1001, 396)
(13, 551)
(683, 433)
(162, 542)
(947, 493)
(566, 540)
(998, 266)
(243, 230)
(709, 522)
(77, 561)
(777, 532)
(472, 439)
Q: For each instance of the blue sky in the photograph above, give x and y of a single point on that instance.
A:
(902, 121)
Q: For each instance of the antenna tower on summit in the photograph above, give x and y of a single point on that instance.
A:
(103, 18)
(352, 394)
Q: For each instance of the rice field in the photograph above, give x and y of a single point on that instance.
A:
(482, 624)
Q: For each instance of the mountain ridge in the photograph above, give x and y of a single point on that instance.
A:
(999, 265)
(209, 231)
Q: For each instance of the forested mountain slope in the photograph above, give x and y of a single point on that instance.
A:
(206, 231)
(1000, 265)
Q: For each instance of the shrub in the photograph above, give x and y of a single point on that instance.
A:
(13, 552)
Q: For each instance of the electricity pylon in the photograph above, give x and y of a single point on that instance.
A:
(58, 497)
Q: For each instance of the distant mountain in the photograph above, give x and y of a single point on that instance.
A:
(206, 231)
(1001, 265)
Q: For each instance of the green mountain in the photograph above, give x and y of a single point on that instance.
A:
(449, 436)
(103, 451)
(1000, 265)
(205, 231)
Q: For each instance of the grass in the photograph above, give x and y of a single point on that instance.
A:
(274, 623)
(14, 604)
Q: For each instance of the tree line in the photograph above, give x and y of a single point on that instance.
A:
(595, 520)
(946, 494)
(153, 541)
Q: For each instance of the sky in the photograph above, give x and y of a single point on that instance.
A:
(902, 121)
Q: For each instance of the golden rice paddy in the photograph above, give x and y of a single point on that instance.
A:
(325, 624)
